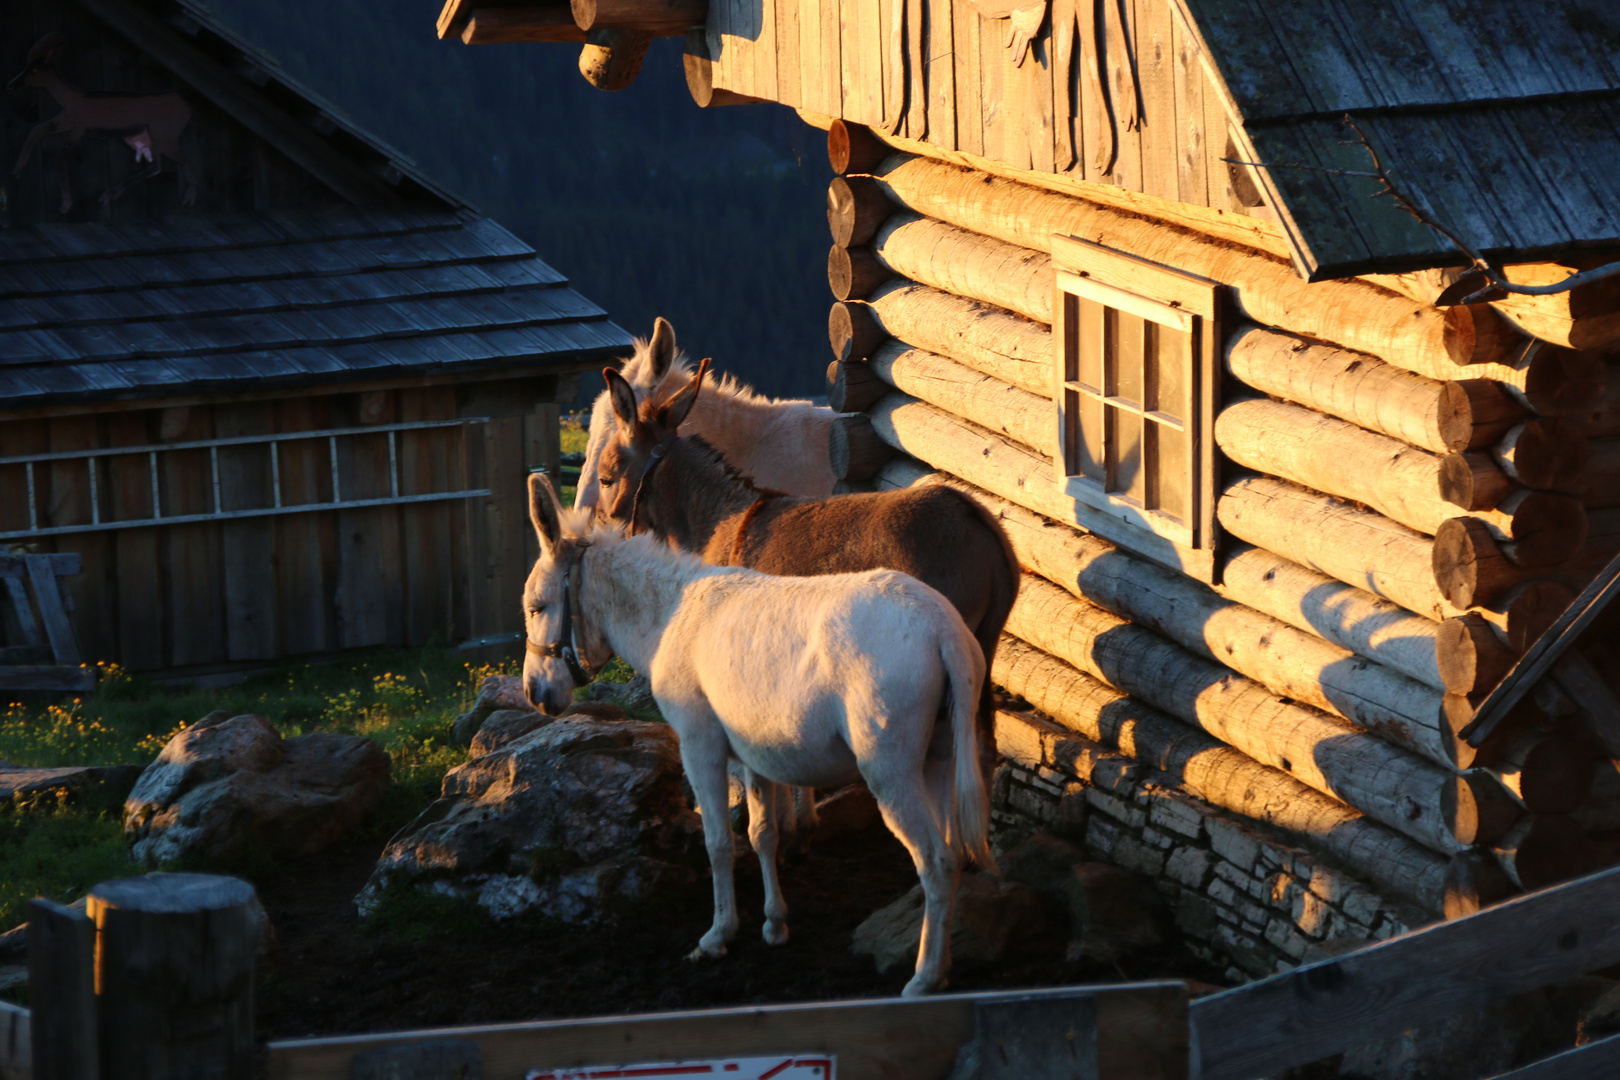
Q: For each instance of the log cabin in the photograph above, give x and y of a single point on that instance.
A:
(1191, 294)
(283, 414)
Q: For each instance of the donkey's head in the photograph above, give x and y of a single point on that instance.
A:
(655, 363)
(560, 642)
(641, 433)
(41, 60)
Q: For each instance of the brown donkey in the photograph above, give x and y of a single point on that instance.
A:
(683, 490)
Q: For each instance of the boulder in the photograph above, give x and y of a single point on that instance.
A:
(101, 786)
(848, 810)
(633, 696)
(986, 913)
(497, 693)
(1112, 912)
(227, 785)
(504, 726)
(569, 820)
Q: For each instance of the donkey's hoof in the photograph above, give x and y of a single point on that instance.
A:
(702, 953)
(776, 933)
(918, 986)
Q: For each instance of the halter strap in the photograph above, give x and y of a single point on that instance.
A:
(572, 622)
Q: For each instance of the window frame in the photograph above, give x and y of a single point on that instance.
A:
(1193, 305)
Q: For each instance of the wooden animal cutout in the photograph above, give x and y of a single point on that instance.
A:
(1024, 22)
(150, 123)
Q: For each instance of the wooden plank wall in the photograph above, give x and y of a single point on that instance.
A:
(235, 169)
(834, 57)
(260, 589)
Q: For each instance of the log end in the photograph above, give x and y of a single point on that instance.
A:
(1549, 773)
(1470, 655)
(852, 148)
(1469, 567)
(1528, 610)
(1477, 808)
(853, 331)
(1476, 334)
(1546, 849)
(1475, 413)
(1474, 880)
(611, 59)
(853, 386)
(852, 273)
(854, 448)
(856, 207)
(1472, 481)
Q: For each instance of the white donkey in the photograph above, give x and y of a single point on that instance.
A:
(781, 444)
(810, 681)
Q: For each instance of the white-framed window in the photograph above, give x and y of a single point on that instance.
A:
(1136, 353)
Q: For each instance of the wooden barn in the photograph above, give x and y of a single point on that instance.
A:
(1189, 292)
(277, 399)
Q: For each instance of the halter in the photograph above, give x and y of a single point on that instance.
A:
(569, 651)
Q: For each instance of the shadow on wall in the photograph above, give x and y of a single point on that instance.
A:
(652, 206)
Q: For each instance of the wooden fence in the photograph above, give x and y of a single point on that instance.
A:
(1132, 1031)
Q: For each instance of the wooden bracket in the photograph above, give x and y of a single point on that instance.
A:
(50, 662)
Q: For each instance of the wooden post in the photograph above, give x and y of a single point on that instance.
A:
(62, 992)
(174, 967)
(852, 148)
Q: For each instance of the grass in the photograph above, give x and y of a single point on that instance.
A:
(406, 700)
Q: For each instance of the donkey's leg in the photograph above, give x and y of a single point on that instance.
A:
(703, 755)
(764, 813)
(909, 809)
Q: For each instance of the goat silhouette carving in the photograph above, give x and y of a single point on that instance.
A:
(150, 123)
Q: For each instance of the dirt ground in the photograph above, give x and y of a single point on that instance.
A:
(334, 976)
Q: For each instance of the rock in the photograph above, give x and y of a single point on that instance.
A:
(569, 819)
(633, 696)
(1112, 912)
(495, 694)
(986, 913)
(848, 810)
(504, 726)
(91, 785)
(1600, 1019)
(226, 785)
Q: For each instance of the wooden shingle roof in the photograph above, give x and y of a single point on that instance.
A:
(216, 302)
(1498, 118)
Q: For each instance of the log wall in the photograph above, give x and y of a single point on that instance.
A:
(226, 594)
(1401, 510)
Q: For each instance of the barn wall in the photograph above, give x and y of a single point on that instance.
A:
(228, 593)
(1315, 660)
(235, 169)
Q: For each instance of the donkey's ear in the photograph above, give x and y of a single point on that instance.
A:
(544, 511)
(672, 414)
(661, 350)
(622, 398)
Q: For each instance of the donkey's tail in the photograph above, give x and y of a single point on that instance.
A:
(969, 825)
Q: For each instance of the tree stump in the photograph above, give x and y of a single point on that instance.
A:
(174, 971)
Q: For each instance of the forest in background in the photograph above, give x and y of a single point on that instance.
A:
(652, 206)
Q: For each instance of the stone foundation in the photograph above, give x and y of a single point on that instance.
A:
(1244, 896)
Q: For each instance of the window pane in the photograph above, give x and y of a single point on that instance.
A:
(1125, 356)
(1089, 342)
(1089, 444)
(1167, 462)
(1125, 454)
(1169, 358)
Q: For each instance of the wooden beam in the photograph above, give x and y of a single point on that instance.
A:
(660, 18)
(245, 104)
(1321, 1009)
(1598, 1060)
(853, 148)
(1141, 1035)
(62, 992)
(611, 58)
(498, 25)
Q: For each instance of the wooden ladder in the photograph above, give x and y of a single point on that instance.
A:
(50, 662)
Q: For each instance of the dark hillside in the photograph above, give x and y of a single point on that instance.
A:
(651, 205)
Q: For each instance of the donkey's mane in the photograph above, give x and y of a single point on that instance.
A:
(637, 370)
(706, 456)
(582, 526)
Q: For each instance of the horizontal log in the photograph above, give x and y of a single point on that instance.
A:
(1218, 774)
(1290, 662)
(699, 69)
(856, 207)
(961, 391)
(1459, 710)
(854, 449)
(1350, 385)
(1601, 415)
(1546, 454)
(1351, 313)
(1525, 611)
(1013, 349)
(1602, 487)
(853, 331)
(1475, 413)
(1018, 279)
(1474, 880)
(611, 58)
(852, 386)
(1547, 379)
(1434, 806)
(1546, 773)
(660, 18)
(502, 25)
(1601, 811)
(852, 273)
(1585, 317)
(852, 148)
(1399, 481)
(1356, 546)
(1542, 850)
(1470, 567)
(1472, 480)
(1471, 655)
(1352, 618)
